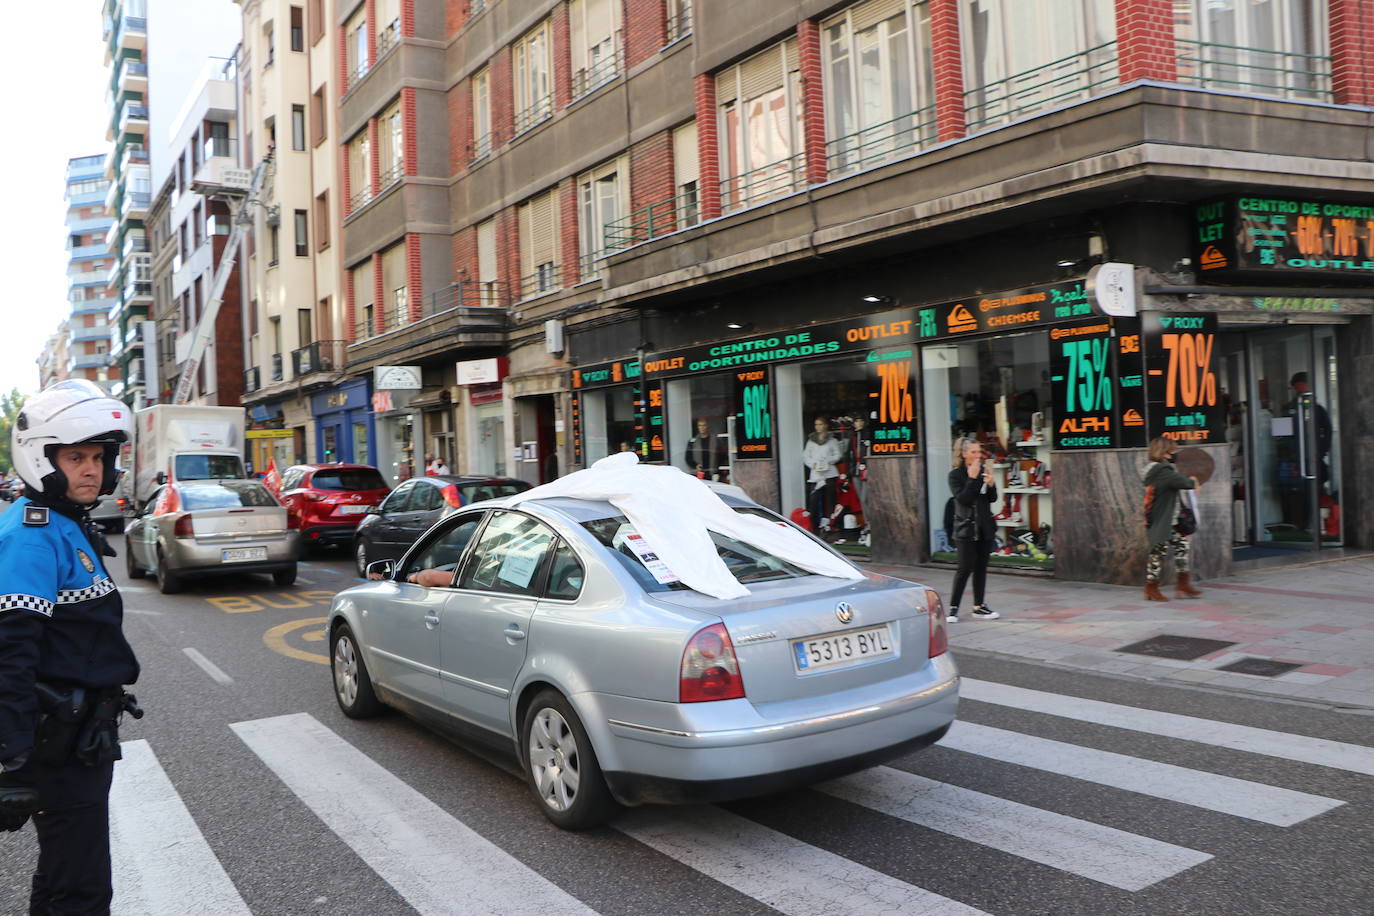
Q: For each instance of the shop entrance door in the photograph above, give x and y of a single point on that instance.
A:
(1293, 439)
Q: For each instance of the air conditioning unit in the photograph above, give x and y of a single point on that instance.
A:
(274, 215)
(553, 335)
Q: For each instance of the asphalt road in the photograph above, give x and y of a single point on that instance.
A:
(1005, 824)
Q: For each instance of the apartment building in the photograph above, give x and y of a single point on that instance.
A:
(86, 349)
(191, 219)
(293, 336)
(129, 286)
(52, 362)
(1062, 227)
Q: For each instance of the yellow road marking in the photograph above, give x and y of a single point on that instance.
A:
(243, 604)
(276, 639)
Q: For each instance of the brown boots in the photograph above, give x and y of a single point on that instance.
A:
(1184, 588)
(1152, 592)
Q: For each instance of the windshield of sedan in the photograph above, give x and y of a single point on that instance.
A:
(746, 562)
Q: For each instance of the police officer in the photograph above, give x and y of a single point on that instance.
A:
(63, 655)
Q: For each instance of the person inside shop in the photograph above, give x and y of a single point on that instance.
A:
(435, 467)
(974, 492)
(822, 452)
(1164, 528)
(703, 455)
(1297, 507)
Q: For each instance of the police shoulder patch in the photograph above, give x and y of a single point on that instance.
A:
(85, 560)
(35, 516)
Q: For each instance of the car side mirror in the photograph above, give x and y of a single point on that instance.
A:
(373, 510)
(381, 569)
(161, 478)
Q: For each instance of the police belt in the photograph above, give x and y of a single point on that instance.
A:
(80, 724)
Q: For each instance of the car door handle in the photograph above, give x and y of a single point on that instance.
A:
(513, 632)
(431, 620)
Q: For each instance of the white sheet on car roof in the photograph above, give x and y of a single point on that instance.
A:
(675, 512)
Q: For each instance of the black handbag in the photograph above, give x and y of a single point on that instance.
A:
(1186, 523)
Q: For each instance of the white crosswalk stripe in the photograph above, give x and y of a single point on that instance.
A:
(1224, 794)
(430, 857)
(162, 864)
(1079, 847)
(1323, 752)
(793, 877)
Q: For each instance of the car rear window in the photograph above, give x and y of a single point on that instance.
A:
(226, 496)
(475, 492)
(348, 480)
(208, 467)
(746, 562)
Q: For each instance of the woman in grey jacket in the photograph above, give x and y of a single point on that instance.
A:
(1162, 483)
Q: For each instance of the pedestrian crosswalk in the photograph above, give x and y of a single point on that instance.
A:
(437, 864)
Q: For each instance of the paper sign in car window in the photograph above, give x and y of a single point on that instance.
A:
(656, 567)
(522, 561)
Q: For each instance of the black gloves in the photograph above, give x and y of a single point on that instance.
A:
(16, 804)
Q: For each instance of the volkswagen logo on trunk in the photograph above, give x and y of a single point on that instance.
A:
(844, 612)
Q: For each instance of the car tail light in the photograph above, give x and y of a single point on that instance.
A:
(313, 496)
(710, 670)
(183, 527)
(452, 496)
(122, 503)
(939, 629)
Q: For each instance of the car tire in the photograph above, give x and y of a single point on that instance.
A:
(352, 684)
(168, 582)
(134, 570)
(281, 578)
(360, 557)
(554, 747)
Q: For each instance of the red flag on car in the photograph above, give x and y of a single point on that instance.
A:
(272, 479)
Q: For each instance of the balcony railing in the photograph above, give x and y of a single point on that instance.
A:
(98, 332)
(481, 148)
(680, 21)
(540, 110)
(320, 356)
(388, 38)
(219, 148)
(360, 197)
(1059, 82)
(252, 380)
(544, 280)
(483, 294)
(391, 175)
(359, 71)
(654, 220)
(1255, 70)
(132, 112)
(132, 69)
(598, 72)
(881, 142)
(364, 329)
(767, 181)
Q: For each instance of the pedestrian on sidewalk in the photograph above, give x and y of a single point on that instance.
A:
(64, 660)
(1166, 527)
(971, 484)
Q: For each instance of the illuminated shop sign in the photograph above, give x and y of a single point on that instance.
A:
(1003, 312)
(616, 372)
(1280, 234)
(1181, 380)
(753, 414)
(892, 392)
(1084, 385)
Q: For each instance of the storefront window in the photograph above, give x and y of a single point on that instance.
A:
(997, 391)
(701, 413)
(331, 444)
(608, 422)
(397, 434)
(361, 454)
(491, 439)
(825, 432)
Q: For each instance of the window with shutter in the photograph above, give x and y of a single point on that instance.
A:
(391, 151)
(760, 126)
(388, 13)
(481, 115)
(686, 174)
(533, 92)
(394, 286)
(539, 261)
(486, 262)
(595, 42)
(362, 298)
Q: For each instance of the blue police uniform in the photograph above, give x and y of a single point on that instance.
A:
(61, 623)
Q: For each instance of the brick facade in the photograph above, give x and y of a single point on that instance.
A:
(415, 295)
(456, 16)
(1145, 40)
(465, 255)
(460, 129)
(562, 58)
(374, 162)
(378, 294)
(568, 247)
(371, 32)
(410, 124)
(651, 177)
(407, 18)
(502, 99)
(508, 250)
(350, 310)
(948, 57)
(1352, 52)
(708, 147)
(645, 28)
(812, 100)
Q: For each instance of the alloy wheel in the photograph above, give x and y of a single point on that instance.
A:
(345, 670)
(554, 761)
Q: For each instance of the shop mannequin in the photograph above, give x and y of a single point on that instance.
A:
(701, 457)
(822, 452)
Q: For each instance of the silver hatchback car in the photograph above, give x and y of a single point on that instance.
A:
(211, 526)
(558, 634)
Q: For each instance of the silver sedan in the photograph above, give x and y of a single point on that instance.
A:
(555, 632)
(209, 527)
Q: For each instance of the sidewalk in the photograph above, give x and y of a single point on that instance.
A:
(1319, 616)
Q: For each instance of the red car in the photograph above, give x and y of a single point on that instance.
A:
(326, 501)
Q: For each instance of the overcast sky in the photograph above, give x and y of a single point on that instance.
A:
(58, 64)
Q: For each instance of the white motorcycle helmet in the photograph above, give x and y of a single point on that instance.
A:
(74, 412)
